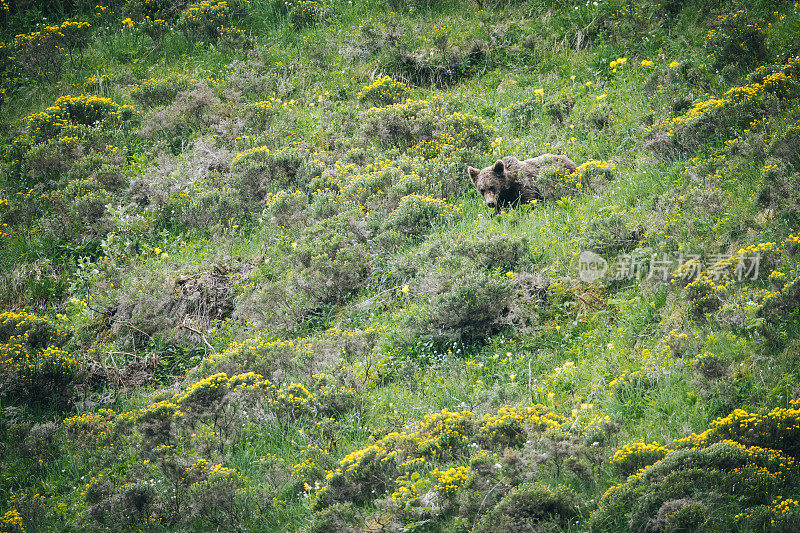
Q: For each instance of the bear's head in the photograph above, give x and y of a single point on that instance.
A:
(490, 182)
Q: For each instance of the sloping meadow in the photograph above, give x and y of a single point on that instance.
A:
(247, 284)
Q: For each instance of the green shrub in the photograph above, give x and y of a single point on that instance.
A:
(379, 186)
(233, 40)
(339, 517)
(366, 473)
(41, 54)
(775, 429)
(304, 13)
(735, 43)
(259, 116)
(595, 175)
(487, 251)
(203, 204)
(704, 295)
(554, 181)
(286, 208)
(332, 262)
(35, 368)
(723, 477)
(779, 313)
(331, 280)
(384, 91)
(260, 170)
(160, 91)
(127, 506)
(250, 355)
(68, 111)
(155, 28)
(509, 427)
(92, 428)
(155, 9)
(203, 20)
(400, 125)
(634, 456)
(611, 235)
(559, 109)
(469, 307)
(445, 435)
(333, 400)
(416, 214)
(532, 504)
(719, 119)
(442, 65)
(786, 146)
(427, 127)
(193, 112)
(523, 112)
(710, 366)
(86, 201)
(781, 516)
(730, 471)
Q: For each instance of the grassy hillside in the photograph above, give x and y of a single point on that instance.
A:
(246, 283)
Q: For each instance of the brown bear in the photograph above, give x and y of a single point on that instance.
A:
(510, 180)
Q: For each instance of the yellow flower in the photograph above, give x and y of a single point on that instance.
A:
(538, 92)
(405, 288)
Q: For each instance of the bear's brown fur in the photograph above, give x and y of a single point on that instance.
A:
(510, 180)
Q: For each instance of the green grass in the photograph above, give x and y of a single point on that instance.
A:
(584, 351)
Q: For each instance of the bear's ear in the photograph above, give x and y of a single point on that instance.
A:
(499, 167)
(473, 174)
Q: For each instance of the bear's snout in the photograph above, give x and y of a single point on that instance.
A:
(490, 199)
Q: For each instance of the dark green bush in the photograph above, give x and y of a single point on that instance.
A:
(523, 112)
(786, 146)
(487, 251)
(442, 66)
(203, 204)
(633, 456)
(338, 518)
(468, 307)
(42, 54)
(154, 92)
(427, 127)
(416, 214)
(726, 479)
(532, 507)
(261, 170)
(331, 259)
(193, 112)
(33, 364)
(203, 20)
(736, 42)
(611, 235)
